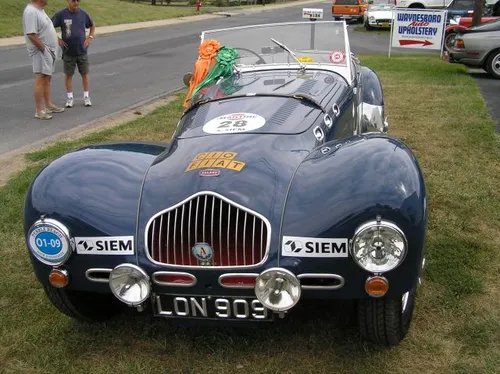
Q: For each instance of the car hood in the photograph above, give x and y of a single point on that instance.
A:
(251, 170)
(381, 14)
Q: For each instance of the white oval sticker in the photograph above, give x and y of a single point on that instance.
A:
(234, 123)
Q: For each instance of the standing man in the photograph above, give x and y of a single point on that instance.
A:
(73, 21)
(41, 41)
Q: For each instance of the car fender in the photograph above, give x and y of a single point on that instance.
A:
(372, 102)
(343, 185)
(94, 191)
(454, 28)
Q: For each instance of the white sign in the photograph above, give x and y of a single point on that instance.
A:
(234, 123)
(418, 29)
(105, 245)
(294, 246)
(312, 13)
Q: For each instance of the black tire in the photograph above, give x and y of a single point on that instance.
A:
(367, 26)
(383, 321)
(449, 41)
(493, 64)
(84, 306)
(417, 6)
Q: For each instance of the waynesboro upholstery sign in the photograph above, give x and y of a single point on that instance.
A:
(420, 29)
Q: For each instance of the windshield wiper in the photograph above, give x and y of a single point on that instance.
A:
(284, 47)
(294, 96)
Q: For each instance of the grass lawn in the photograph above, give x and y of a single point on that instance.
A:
(435, 107)
(103, 12)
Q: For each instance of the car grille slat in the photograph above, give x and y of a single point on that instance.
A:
(231, 230)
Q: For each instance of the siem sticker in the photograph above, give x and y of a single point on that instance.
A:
(294, 246)
(105, 245)
(215, 160)
(337, 57)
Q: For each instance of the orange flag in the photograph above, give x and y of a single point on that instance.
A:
(207, 52)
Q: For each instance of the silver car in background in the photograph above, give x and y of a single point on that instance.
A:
(379, 14)
(479, 46)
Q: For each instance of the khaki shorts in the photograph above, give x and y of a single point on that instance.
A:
(44, 62)
(71, 61)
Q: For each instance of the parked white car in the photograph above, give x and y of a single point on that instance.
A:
(379, 15)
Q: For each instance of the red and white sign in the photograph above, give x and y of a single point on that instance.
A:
(418, 29)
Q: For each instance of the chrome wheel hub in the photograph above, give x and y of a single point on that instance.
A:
(495, 65)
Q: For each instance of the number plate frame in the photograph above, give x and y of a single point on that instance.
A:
(214, 308)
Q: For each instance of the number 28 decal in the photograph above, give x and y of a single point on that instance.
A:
(234, 123)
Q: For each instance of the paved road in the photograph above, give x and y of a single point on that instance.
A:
(127, 68)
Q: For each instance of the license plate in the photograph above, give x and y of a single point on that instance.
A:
(211, 307)
(386, 25)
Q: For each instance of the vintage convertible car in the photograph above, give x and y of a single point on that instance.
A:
(279, 186)
(380, 14)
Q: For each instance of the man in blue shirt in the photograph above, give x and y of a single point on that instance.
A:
(73, 21)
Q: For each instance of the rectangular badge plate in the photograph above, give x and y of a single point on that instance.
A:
(211, 307)
(295, 246)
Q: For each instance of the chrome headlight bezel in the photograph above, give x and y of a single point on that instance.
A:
(39, 247)
(133, 271)
(289, 279)
(361, 230)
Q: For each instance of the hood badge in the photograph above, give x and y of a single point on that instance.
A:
(203, 253)
(209, 173)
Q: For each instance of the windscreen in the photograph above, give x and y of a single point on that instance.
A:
(322, 42)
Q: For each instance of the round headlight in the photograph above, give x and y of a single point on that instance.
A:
(50, 242)
(130, 284)
(372, 18)
(379, 246)
(277, 289)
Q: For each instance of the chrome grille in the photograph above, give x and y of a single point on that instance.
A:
(238, 236)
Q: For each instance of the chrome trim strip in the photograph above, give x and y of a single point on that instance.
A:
(153, 238)
(244, 239)
(230, 203)
(157, 273)
(220, 233)
(228, 231)
(168, 235)
(189, 230)
(236, 236)
(182, 233)
(242, 275)
(161, 236)
(253, 240)
(88, 274)
(175, 232)
(322, 275)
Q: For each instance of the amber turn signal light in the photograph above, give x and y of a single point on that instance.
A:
(58, 278)
(376, 286)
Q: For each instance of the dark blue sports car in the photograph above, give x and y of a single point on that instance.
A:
(278, 186)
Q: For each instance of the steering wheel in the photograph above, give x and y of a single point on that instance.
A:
(259, 62)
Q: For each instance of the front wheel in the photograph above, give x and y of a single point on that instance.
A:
(386, 321)
(493, 64)
(84, 306)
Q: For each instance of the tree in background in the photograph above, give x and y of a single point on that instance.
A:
(478, 12)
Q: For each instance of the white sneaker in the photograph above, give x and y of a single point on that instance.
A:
(42, 115)
(86, 101)
(69, 103)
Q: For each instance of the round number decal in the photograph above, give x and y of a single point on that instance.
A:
(337, 57)
(234, 123)
(49, 243)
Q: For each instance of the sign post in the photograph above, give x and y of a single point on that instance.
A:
(418, 29)
(312, 14)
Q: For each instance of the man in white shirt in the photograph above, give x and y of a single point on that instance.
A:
(41, 41)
